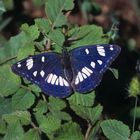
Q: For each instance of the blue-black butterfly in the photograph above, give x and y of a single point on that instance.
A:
(80, 69)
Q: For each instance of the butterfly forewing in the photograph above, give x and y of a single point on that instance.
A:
(89, 63)
(45, 70)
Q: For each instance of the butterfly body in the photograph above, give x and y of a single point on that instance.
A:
(80, 69)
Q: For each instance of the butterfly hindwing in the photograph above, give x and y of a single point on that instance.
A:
(89, 63)
(46, 71)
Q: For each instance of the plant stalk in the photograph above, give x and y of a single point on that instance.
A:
(134, 117)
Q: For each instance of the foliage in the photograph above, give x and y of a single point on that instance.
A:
(27, 114)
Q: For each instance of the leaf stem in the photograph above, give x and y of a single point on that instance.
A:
(25, 87)
(88, 131)
(134, 117)
(44, 98)
(8, 59)
(35, 127)
(48, 45)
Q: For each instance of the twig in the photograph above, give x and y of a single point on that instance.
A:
(134, 117)
(88, 131)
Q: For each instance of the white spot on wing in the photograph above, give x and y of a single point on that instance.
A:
(56, 81)
(29, 63)
(84, 75)
(19, 65)
(43, 59)
(53, 79)
(84, 70)
(100, 62)
(92, 64)
(42, 73)
(111, 47)
(76, 80)
(49, 78)
(35, 73)
(65, 82)
(101, 50)
(80, 76)
(60, 81)
(87, 51)
(89, 70)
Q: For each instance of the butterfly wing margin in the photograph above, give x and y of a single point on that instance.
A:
(89, 63)
(44, 70)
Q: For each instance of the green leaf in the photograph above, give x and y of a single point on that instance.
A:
(32, 32)
(34, 88)
(57, 37)
(2, 8)
(9, 4)
(43, 25)
(69, 131)
(5, 106)
(61, 115)
(39, 117)
(25, 51)
(115, 72)
(135, 135)
(50, 124)
(115, 130)
(23, 116)
(82, 99)
(54, 11)
(10, 83)
(10, 50)
(56, 104)
(23, 99)
(41, 107)
(32, 134)
(87, 35)
(2, 127)
(90, 114)
(14, 132)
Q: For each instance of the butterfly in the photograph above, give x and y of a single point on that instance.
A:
(80, 69)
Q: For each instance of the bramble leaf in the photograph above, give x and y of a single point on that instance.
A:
(25, 51)
(55, 11)
(31, 32)
(87, 35)
(56, 104)
(41, 107)
(49, 124)
(69, 131)
(115, 130)
(2, 126)
(5, 106)
(6, 76)
(32, 134)
(23, 116)
(14, 131)
(57, 37)
(23, 99)
(82, 99)
(61, 115)
(135, 135)
(90, 114)
(43, 25)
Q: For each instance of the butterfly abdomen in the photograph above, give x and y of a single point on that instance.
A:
(67, 65)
